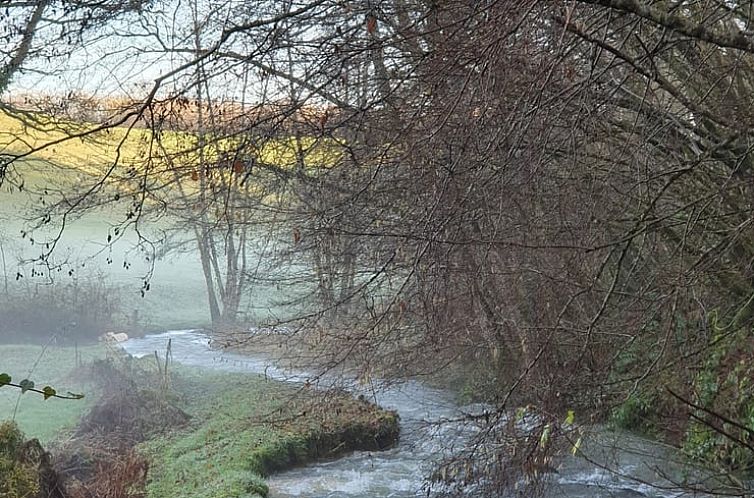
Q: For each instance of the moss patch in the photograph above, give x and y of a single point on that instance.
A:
(17, 478)
(25, 468)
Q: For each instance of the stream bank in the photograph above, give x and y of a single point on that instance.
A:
(244, 427)
(154, 427)
(609, 464)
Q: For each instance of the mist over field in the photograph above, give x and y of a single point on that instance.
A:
(84, 262)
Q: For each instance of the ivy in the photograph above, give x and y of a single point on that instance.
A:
(28, 385)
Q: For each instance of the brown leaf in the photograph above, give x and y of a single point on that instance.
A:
(371, 24)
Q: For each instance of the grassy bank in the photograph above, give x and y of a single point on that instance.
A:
(55, 366)
(244, 427)
(241, 427)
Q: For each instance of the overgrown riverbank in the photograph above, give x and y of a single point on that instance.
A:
(179, 431)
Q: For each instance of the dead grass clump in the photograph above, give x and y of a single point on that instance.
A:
(115, 475)
(127, 411)
(100, 460)
(132, 416)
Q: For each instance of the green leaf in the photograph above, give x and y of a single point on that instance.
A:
(576, 447)
(570, 417)
(25, 385)
(4, 379)
(545, 437)
(520, 413)
(49, 392)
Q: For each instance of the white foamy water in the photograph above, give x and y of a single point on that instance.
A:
(399, 472)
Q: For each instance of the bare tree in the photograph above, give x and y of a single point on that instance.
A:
(552, 199)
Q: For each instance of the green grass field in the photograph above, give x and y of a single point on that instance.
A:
(177, 296)
(38, 418)
(215, 456)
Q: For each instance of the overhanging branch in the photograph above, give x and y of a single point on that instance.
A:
(732, 38)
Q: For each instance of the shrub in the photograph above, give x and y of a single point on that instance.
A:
(76, 310)
(635, 414)
(18, 478)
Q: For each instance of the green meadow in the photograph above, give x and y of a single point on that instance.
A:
(93, 245)
(51, 365)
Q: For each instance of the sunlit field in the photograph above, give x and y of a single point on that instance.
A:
(88, 149)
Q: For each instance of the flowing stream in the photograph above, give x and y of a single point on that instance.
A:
(642, 467)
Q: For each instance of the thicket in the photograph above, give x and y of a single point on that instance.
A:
(68, 310)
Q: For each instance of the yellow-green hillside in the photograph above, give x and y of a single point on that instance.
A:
(89, 148)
